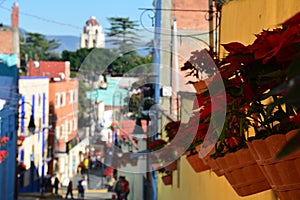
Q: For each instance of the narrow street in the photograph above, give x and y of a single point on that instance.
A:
(90, 194)
(96, 188)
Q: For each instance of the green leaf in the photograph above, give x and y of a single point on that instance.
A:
(273, 74)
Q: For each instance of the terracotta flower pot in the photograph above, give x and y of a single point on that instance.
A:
(284, 174)
(214, 166)
(167, 179)
(197, 163)
(243, 173)
(211, 162)
(172, 166)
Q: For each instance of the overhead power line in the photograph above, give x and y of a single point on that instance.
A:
(42, 18)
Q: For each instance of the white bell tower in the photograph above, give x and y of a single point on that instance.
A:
(92, 35)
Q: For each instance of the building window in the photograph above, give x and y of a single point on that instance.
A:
(75, 124)
(57, 100)
(71, 93)
(94, 43)
(75, 96)
(70, 127)
(40, 124)
(39, 100)
(67, 127)
(62, 130)
(63, 99)
(86, 43)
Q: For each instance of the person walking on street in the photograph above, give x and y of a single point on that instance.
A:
(84, 184)
(70, 190)
(80, 190)
(125, 188)
(56, 183)
(118, 188)
(122, 188)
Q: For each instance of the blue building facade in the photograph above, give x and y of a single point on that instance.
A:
(9, 98)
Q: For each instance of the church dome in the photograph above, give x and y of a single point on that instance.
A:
(92, 21)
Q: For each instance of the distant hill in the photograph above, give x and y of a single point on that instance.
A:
(67, 42)
(71, 43)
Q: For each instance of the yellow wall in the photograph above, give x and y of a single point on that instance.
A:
(202, 186)
(241, 19)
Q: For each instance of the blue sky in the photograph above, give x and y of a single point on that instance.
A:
(67, 17)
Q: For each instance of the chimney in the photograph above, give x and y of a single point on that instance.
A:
(15, 15)
(67, 70)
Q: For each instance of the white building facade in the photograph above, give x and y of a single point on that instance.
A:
(34, 103)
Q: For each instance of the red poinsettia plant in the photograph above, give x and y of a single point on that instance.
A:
(20, 140)
(171, 129)
(156, 144)
(253, 76)
(3, 152)
(232, 134)
(264, 68)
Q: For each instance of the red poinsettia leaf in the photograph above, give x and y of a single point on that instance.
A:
(290, 38)
(204, 113)
(231, 142)
(172, 125)
(200, 101)
(235, 47)
(156, 144)
(268, 48)
(248, 93)
(295, 20)
(172, 133)
(3, 154)
(236, 62)
(296, 118)
(4, 140)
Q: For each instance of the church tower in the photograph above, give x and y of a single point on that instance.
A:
(92, 35)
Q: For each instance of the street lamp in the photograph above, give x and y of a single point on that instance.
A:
(31, 128)
(31, 125)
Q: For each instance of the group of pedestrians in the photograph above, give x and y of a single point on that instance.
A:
(120, 187)
(81, 186)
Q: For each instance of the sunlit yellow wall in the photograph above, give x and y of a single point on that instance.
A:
(202, 186)
(241, 19)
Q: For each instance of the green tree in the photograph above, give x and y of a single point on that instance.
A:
(75, 58)
(35, 46)
(90, 62)
(122, 32)
(131, 63)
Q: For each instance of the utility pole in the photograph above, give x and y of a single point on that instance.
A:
(211, 23)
